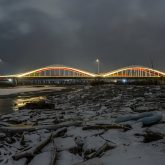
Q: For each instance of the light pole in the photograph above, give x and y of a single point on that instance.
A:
(98, 66)
(0, 62)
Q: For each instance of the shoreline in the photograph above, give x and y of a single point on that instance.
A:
(85, 124)
(15, 91)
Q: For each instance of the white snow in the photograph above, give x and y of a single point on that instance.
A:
(64, 143)
(136, 154)
(94, 161)
(41, 159)
(16, 90)
(92, 107)
(67, 158)
(19, 162)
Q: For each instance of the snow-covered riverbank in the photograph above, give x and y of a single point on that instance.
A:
(16, 90)
(97, 125)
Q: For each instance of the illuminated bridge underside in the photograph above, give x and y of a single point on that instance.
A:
(57, 71)
(135, 71)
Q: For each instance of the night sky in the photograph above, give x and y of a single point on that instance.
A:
(37, 33)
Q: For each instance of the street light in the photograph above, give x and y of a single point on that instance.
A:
(98, 66)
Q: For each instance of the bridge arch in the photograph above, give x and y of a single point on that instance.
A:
(57, 71)
(134, 71)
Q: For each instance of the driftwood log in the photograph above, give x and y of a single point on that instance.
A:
(54, 154)
(31, 152)
(54, 158)
(108, 126)
(17, 129)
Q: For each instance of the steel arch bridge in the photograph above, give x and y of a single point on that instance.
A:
(56, 71)
(135, 72)
(61, 71)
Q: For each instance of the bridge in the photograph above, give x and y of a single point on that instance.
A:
(135, 71)
(57, 71)
(64, 72)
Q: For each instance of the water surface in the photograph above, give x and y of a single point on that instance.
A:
(9, 105)
(6, 105)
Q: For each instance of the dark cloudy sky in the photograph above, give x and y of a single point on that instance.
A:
(36, 33)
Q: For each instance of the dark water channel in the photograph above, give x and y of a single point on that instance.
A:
(9, 105)
(28, 100)
(6, 106)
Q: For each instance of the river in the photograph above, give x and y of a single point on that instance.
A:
(13, 99)
(6, 105)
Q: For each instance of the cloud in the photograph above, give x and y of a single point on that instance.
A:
(36, 33)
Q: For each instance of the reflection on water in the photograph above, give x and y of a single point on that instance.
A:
(13, 104)
(21, 102)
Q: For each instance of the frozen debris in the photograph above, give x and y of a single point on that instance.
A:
(100, 151)
(95, 119)
(126, 109)
(92, 144)
(95, 146)
(147, 118)
(126, 118)
(31, 152)
(2, 135)
(79, 141)
(151, 120)
(145, 108)
(151, 136)
(65, 143)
